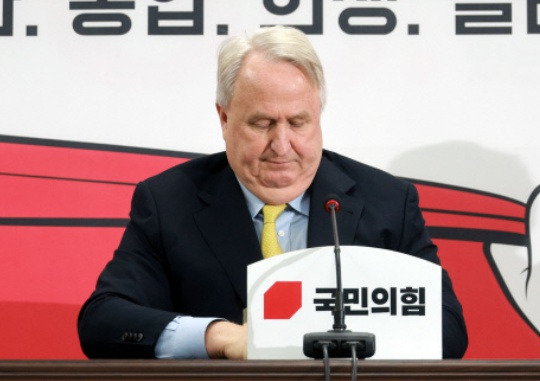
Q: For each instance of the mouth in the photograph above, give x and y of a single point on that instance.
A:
(277, 163)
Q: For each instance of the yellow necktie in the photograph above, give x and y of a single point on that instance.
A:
(269, 241)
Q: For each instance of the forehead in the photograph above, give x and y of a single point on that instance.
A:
(279, 81)
(257, 67)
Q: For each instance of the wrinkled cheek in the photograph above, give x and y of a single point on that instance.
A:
(250, 167)
(254, 170)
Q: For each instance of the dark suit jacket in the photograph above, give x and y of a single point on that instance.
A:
(190, 239)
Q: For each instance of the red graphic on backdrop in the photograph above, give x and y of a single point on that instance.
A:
(64, 205)
(282, 300)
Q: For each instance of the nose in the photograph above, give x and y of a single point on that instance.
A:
(280, 139)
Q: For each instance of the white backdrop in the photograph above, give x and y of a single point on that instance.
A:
(441, 91)
(458, 109)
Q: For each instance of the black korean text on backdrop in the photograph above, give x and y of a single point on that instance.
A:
(316, 27)
(482, 14)
(85, 23)
(195, 17)
(81, 21)
(358, 13)
(494, 13)
(367, 17)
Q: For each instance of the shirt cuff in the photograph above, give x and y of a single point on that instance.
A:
(184, 338)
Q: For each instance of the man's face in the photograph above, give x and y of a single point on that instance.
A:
(271, 129)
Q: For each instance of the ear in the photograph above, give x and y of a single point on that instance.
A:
(222, 118)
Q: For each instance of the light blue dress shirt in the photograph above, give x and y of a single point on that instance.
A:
(291, 225)
(184, 337)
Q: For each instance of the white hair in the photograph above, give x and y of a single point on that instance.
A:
(279, 43)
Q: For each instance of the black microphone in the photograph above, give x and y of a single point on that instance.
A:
(338, 342)
(332, 206)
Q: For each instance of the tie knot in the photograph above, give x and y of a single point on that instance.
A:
(271, 212)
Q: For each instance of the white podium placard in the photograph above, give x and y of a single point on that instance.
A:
(395, 296)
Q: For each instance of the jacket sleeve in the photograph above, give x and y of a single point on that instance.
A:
(416, 241)
(123, 318)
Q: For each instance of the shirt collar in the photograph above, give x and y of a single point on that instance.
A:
(300, 204)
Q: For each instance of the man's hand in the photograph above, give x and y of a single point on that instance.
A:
(226, 340)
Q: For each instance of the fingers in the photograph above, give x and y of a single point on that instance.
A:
(226, 340)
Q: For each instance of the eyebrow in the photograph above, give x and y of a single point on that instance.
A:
(259, 115)
(303, 115)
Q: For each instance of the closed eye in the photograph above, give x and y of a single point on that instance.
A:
(299, 120)
(262, 123)
(260, 120)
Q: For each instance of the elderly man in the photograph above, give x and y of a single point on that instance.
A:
(176, 287)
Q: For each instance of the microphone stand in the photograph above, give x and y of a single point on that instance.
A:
(339, 311)
(338, 342)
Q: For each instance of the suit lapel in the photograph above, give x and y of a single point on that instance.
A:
(228, 229)
(331, 180)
